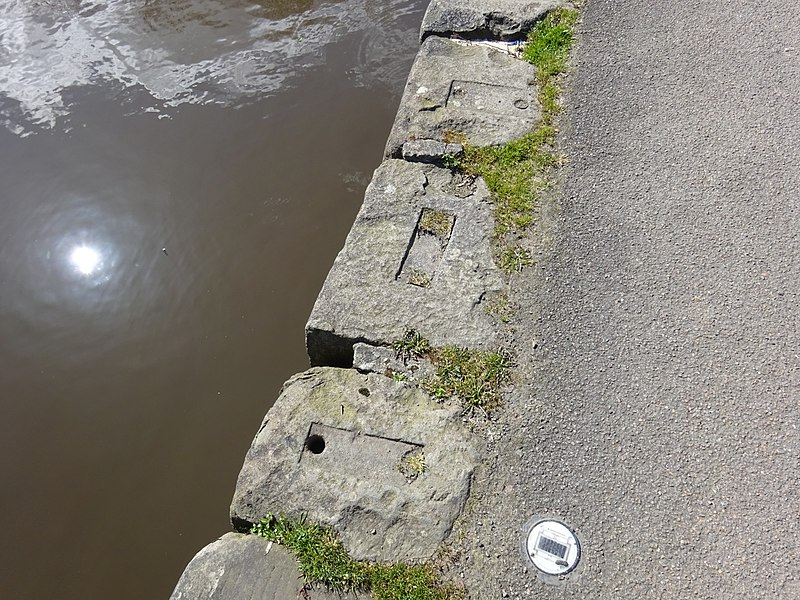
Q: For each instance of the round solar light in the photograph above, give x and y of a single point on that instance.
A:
(552, 547)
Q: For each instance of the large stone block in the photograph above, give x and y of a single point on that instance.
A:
(478, 91)
(473, 19)
(418, 256)
(247, 567)
(340, 447)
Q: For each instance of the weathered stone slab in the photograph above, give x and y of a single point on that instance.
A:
(418, 257)
(247, 567)
(335, 447)
(487, 95)
(479, 19)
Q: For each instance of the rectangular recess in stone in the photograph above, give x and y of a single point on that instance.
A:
(363, 300)
(355, 484)
(484, 97)
(426, 247)
(336, 449)
(485, 94)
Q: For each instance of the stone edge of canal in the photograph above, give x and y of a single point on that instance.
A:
(367, 454)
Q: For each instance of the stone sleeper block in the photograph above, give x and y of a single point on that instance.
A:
(239, 567)
(473, 19)
(487, 95)
(332, 448)
(369, 295)
(248, 567)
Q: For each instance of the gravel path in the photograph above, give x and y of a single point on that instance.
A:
(657, 406)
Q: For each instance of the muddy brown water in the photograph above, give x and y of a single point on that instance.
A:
(175, 181)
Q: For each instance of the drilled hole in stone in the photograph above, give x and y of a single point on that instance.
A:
(315, 444)
(364, 392)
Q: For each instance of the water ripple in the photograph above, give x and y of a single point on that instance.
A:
(179, 51)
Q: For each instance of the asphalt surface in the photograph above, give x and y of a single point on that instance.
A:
(656, 406)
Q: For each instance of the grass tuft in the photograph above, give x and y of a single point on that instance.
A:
(413, 343)
(550, 42)
(514, 258)
(324, 560)
(518, 173)
(472, 376)
(410, 582)
(500, 308)
(322, 557)
(437, 223)
(413, 465)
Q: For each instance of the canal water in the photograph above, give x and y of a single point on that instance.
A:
(176, 178)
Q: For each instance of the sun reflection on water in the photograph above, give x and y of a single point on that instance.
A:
(85, 259)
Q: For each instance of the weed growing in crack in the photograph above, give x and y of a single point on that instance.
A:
(450, 136)
(413, 343)
(550, 42)
(519, 172)
(324, 560)
(472, 376)
(514, 258)
(500, 308)
(419, 278)
(413, 465)
(321, 556)
(437, 223)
